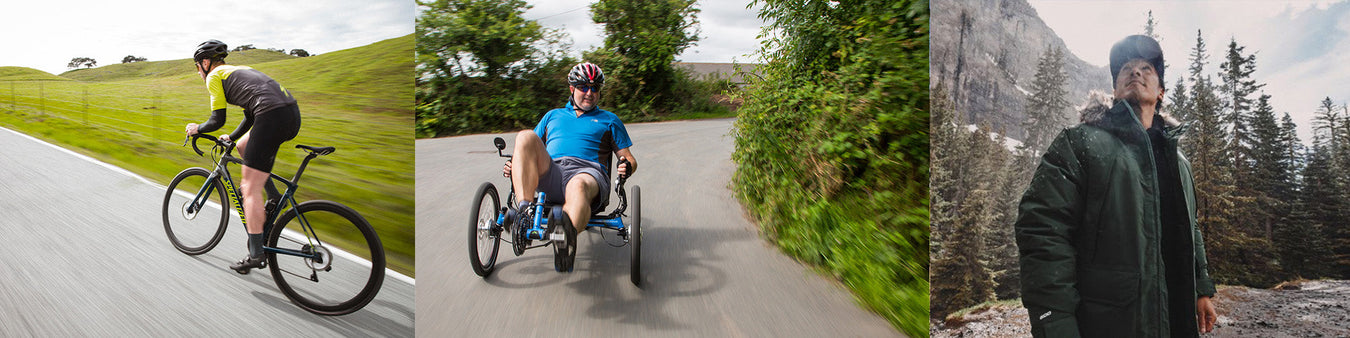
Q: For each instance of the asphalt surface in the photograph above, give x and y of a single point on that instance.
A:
(85, 254)
(707, 272)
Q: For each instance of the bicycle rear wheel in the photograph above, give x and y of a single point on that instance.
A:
(194, 230)
(349, 267)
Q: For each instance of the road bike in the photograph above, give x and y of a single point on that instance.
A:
(301, 251)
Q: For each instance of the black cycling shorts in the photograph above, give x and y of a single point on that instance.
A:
(270, 129)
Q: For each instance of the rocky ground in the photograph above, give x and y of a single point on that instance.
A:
(1293, 309)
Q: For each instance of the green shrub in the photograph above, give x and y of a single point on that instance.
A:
(832, 147)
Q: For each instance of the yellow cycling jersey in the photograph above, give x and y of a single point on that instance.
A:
(245, 87)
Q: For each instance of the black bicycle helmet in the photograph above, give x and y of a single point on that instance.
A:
(211, 49)
(586, 74)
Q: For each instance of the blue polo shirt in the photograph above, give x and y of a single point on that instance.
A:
(591, 136)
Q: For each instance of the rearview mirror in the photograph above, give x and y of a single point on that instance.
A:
(500, 143)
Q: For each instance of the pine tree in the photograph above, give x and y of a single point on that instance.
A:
(1180, 107)
(1150, 26)
(1300, 241)
(945, 150)
(1265, 155)
(1048, 106)
(966, 278)
(1323, 201)
(1238, 86)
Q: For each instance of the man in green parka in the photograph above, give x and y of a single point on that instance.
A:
(1107, 230)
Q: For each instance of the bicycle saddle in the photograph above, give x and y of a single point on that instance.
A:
(317, 150)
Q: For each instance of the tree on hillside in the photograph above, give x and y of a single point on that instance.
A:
(132, 58)
(82, 62)
(642, 39)
(966, 267)
(243, 48)
(1047, 107)
(299, 53)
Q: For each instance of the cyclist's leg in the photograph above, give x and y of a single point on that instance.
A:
(251, 186)
(269, 185)
(270, 130)
(581, 189)
(529, 162)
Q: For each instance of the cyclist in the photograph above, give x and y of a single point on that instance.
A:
(270, 111)
(562, 155)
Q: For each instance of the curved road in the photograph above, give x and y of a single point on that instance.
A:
(707, 273)
(85, 254)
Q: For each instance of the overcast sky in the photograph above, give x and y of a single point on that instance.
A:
(47, 34)
(727, 28)
(1302, 50)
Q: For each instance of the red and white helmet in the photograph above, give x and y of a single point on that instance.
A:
(586, 74)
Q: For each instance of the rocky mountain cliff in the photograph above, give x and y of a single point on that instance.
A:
(984, 54)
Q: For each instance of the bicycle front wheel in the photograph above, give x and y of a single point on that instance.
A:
(335, 269)
(195, 228)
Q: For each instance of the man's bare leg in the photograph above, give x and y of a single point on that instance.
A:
(580, 191)
(529, 162)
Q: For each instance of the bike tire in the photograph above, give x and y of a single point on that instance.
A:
(481, 227)
(636, 234)
(189, 231)
(331, 219)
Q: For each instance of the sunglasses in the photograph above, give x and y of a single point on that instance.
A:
(586, 88)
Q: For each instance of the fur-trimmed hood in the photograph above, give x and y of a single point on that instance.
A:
(1100, 103)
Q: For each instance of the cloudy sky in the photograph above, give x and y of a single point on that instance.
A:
(46, 34)
(1302, 50)
(727, 28)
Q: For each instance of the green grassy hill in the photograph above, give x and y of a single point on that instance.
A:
(132, 115)
(153, 69)
(27, 74)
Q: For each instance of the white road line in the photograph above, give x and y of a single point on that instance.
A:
(292, 234)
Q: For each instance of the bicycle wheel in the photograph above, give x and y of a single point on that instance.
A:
(195, 230)
(483, 241)
(565, 252)
(348, 269)
(636, 234)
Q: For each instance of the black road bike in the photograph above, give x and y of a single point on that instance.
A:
(302, 250)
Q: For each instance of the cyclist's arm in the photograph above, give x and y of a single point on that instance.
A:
(215, 122)
(243, 126)
(632, 162)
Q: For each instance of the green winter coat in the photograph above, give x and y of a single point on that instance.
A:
(1099, 255)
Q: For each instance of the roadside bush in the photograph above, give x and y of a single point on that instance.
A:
(832, 146)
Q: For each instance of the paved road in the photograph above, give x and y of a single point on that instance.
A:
(707, 273)
(85, 254)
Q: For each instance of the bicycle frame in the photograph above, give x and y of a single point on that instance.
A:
(222, 173)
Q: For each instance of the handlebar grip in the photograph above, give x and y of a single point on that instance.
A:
(623, 161)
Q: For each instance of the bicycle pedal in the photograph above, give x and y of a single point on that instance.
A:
(557, 237)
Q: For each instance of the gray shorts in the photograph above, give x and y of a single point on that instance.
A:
(561, 171)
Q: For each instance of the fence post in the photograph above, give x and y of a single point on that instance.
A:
(154, 111)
